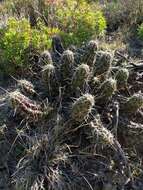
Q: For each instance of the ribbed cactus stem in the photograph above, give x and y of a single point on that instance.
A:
(108, 87)
(103, 61)
(133, 104)
(82, 107)
(92, 46)
(24, 106)
(122, 76)
(45, 58)
(90, 52)
(104, 135)
(26, 87)
(67, 63)
(80, 76)
(48, 73)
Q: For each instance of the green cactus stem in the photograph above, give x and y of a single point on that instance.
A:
(45, 58)
(102, 65)
(122, 76)
(90, 52)
(133, 104)
(82, 107)
(24, 106)
(107, 89)
(67, 63)
(48, 73)
(80, 77)
(49, 76)
(26, 87)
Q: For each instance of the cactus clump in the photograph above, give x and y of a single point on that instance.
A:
(103, 61)
(80, 76)
(80, 134)
(26, 87)
(45, 58)
(107, 89)
(82, 107)
(122, 76)
(67, 63)
(133, 104)
(24, 106)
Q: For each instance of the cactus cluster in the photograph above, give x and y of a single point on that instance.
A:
(73, 123)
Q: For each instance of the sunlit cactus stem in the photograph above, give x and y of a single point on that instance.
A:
(25, 107)
(47, 73)
(107, 89)
(102, 64)
(82, 107)
(90, 52)
(122, 76)
(50, 79)
(133, 104)
(67, 64)
(26, 87)
(45, 58)
(80, 77)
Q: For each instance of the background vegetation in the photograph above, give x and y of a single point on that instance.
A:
(33, 23)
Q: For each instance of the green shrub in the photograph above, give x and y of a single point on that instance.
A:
(79, 21)
(18, 36)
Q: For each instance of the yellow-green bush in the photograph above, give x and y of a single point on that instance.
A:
(16, 37)
(78, 20)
